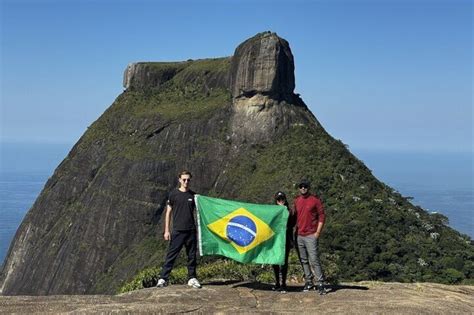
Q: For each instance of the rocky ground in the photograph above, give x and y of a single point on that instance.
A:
(244, 297)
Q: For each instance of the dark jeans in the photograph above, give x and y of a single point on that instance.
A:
(282, 270)
(178, 239)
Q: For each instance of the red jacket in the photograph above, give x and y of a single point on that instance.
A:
(309, 212)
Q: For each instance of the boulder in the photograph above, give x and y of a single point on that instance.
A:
(262, 64)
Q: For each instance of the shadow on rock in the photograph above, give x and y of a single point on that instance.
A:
(221, 282)
(334, 288)
(296, 288)
(266, 287)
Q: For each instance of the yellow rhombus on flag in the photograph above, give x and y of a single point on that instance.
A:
(232, 225)
(249, 233)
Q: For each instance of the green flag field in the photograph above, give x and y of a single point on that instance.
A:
(245, 232)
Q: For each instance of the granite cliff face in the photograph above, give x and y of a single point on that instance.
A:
(237, 125)
(263, 65)
(262, 82)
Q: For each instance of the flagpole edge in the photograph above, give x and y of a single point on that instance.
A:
(198, 224)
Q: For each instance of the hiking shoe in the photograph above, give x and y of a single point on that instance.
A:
(308, 286)
(322, 290)
(193, 282)
(161, 283)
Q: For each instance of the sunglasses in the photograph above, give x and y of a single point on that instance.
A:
(303, 187)
(186, 179)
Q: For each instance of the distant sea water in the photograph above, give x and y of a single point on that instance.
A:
(24, 170)
(438, 182)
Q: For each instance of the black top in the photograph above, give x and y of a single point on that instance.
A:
(182, 204)
(290, 235)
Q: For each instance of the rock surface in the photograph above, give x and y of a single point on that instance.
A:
(360, 298)
(262, 82)
(152, 75)
(143, 75)
(263, 64)
(98, 204)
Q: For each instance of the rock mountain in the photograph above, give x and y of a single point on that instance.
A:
(237, 124)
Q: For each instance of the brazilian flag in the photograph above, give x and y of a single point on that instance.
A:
(245, 232)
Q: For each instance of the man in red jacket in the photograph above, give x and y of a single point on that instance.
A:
(309, 224)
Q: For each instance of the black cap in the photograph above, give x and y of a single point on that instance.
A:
(280, 195)
(304, 182)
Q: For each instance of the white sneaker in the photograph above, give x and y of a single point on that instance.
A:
(193, 282)
(161, 283)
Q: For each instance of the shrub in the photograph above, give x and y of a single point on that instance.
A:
(452, 276)
(224, 269)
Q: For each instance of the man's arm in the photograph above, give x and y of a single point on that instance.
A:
(320, 228)
(167, 235)
(321, 218)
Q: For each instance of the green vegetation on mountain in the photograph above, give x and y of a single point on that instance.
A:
(371, 233)
(135, 114)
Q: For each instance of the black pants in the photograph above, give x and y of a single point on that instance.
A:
(282, 270)
(178, 239)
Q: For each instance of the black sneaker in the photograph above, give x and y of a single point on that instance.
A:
(308, 286)
(283, 289)
(322, 290)
(276, 287)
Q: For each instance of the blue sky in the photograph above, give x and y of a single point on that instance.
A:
(379, 75)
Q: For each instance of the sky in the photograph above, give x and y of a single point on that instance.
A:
(378, 75)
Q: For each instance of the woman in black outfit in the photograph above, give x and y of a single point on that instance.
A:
(282, 271)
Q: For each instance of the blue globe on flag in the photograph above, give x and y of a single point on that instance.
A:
(241, 230)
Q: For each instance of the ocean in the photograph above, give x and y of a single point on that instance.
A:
(438, 182)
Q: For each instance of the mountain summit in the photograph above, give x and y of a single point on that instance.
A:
(237, 125)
